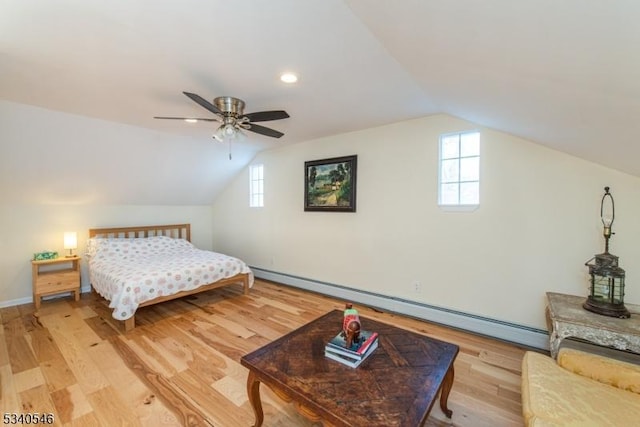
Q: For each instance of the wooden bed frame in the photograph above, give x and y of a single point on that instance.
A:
(176, 231)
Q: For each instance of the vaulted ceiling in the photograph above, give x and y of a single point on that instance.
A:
(563, 74)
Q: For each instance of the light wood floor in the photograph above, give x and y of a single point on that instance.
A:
(180, 366)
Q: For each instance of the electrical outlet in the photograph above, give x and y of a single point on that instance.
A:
(417, 287)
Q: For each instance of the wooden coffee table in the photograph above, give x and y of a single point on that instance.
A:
(396, 386)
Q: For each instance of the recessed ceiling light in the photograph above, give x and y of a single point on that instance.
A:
(289, 78)
(191, 120)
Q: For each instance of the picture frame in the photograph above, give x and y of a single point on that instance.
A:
(330, 184)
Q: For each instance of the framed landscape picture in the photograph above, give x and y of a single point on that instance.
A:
(330, 184)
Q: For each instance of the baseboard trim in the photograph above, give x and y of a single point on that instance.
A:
(17, 301)
(506, 331)
(29, 299)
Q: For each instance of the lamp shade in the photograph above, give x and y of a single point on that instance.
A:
(226, 132)
(70, 240)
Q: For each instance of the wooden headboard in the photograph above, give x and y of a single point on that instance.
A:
(176, 231)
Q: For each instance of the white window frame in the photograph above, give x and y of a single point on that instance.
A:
(256, 186)
(457, 206)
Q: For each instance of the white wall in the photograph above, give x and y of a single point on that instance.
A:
(49, 157)
(537, 225)
(26, 229)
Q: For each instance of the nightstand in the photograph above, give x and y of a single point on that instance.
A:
(62, 276)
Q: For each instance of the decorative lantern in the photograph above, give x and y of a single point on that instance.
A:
(607, 279)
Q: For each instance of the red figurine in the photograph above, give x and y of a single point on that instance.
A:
(350, 325)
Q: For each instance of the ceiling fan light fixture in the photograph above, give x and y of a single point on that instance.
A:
(226, 132)
(229, 131)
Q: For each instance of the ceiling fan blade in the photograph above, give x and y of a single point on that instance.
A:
(263, 130)
(188, 118)
(265, 116)
(203, 102)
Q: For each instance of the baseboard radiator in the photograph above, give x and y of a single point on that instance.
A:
(505, 331)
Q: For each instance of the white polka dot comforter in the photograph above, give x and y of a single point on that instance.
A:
(128, 271)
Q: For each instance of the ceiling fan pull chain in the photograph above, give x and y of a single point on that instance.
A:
(229, 149)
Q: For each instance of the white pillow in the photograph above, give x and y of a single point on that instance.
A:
(134, 247)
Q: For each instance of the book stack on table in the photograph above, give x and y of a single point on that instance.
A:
(336, 349)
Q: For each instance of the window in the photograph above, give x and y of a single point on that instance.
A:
(459, 181)
(256, 186)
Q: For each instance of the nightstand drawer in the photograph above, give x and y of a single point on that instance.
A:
(57, 281)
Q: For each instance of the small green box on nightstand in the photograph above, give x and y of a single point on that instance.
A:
(40, 256)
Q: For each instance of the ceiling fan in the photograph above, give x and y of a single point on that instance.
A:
(229, 112)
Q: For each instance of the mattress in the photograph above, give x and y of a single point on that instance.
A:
(130, 271)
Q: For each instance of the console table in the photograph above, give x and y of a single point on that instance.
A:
(568, 319)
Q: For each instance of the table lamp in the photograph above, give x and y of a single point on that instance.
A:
(606, 277)
(70, 242)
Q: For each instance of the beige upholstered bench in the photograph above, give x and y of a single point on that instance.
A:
(581, 389)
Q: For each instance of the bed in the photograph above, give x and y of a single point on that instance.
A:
(134, 267)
